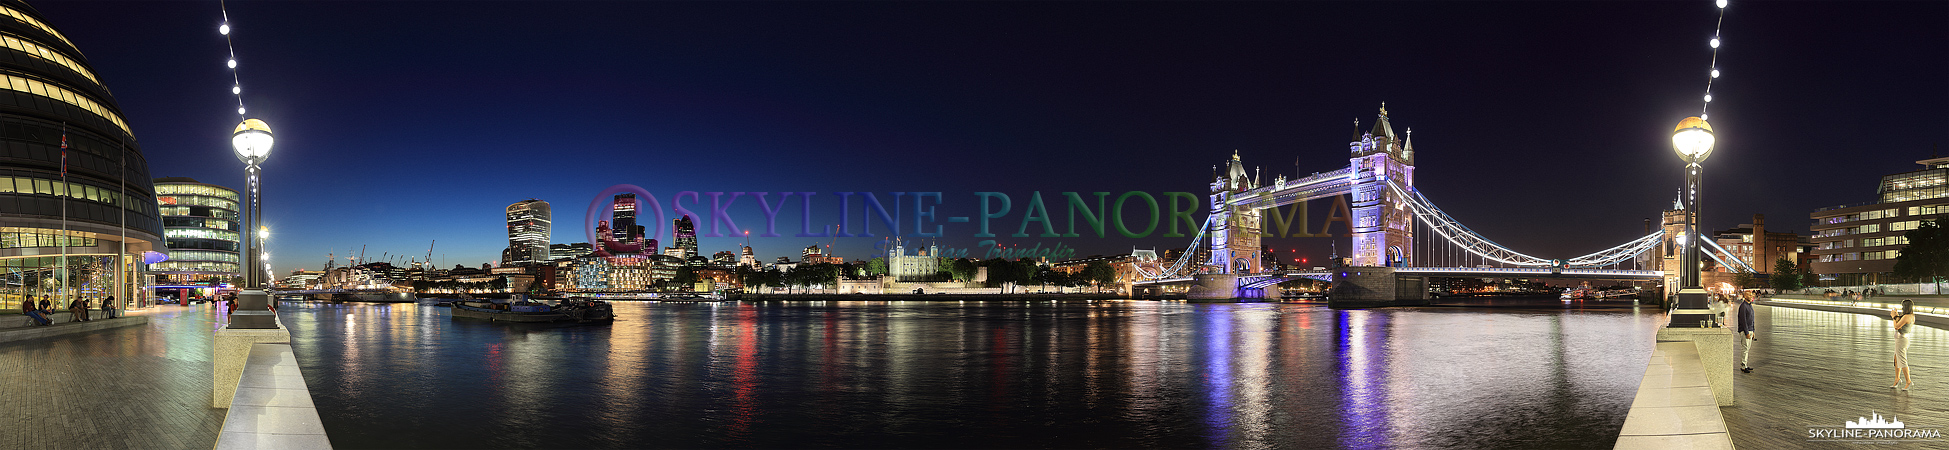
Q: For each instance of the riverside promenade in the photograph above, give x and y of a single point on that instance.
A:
(137, 387)
(1818, 369)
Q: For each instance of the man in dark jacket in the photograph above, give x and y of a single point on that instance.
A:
(1746, 332)
(77, 311)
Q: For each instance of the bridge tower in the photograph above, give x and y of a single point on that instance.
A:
(1383, 227)
(1235, 233)
(1671, 252)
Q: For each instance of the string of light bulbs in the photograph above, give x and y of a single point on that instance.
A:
(237, 84)
(1714, 75)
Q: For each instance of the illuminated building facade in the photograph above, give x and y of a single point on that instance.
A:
(1235, 240)
(1382, 226)
(815, 255)
(559, 252)
(301, 279)
(528, 233)
(1757, 247)
(199, 226)
(50, 99)
(608, 274)
(684, 233)
(1671, 253)
(925, 265)
(622, 220)
(633, 273)
(1857, 244)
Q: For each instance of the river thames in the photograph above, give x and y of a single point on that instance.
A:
(979, 374)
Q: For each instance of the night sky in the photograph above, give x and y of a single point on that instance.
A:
(1543, 125)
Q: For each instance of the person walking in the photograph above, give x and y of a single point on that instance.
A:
(1745, 330)
(1904, 321)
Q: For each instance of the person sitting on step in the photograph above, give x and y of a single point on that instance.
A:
(27, 307)
(77, 310)
(108, 307)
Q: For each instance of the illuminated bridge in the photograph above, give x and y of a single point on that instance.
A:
(1400, 238)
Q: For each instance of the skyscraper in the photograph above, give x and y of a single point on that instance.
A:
(623, 221)
(686, 235)
(528, 232)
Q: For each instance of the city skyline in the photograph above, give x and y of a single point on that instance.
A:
(392, 149)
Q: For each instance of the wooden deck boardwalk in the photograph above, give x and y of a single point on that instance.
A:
(137, 387)
(1820, 369)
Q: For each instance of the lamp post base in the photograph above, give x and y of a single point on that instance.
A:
(1692, 310)
(253, 311)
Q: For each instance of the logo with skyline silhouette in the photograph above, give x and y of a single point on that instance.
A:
(1874, 429)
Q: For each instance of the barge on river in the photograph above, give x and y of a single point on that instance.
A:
(583, 311)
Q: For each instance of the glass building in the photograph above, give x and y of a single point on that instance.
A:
(528, 228)
(1857, 244)
(199, 226)
(77, 209)
(623, 218)
(684, 233)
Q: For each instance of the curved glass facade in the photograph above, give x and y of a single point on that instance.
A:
(528, 224)
(199, 224)
(73, 180)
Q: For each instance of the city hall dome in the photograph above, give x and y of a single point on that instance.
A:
(82, 201)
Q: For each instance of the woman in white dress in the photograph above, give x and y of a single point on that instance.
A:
(1904, 321)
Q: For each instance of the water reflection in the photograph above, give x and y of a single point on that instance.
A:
(975, 374)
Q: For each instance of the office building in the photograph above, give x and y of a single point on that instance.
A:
(301, 279)
(73, 179)
(558, 252)
(816, 255)
(528, 233)
(199, 227)
(622, 222)
(685, 236)
(636, 245)
(1857, 244)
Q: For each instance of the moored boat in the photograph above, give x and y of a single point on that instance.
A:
(528, 312)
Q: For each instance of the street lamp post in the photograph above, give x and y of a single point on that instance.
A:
(1692, 140)
(252, 141)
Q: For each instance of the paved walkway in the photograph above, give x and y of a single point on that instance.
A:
(139, 387)
(1819, 369)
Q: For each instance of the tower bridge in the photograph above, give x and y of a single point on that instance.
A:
(1400, 239)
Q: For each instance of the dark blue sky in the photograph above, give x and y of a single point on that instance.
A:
(1542, 125)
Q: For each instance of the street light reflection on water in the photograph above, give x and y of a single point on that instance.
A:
(977, 374)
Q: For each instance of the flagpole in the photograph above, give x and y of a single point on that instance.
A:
(125, 284)
(63, 197)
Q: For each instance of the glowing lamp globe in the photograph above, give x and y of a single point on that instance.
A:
(1692, 139)
(252, 140)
